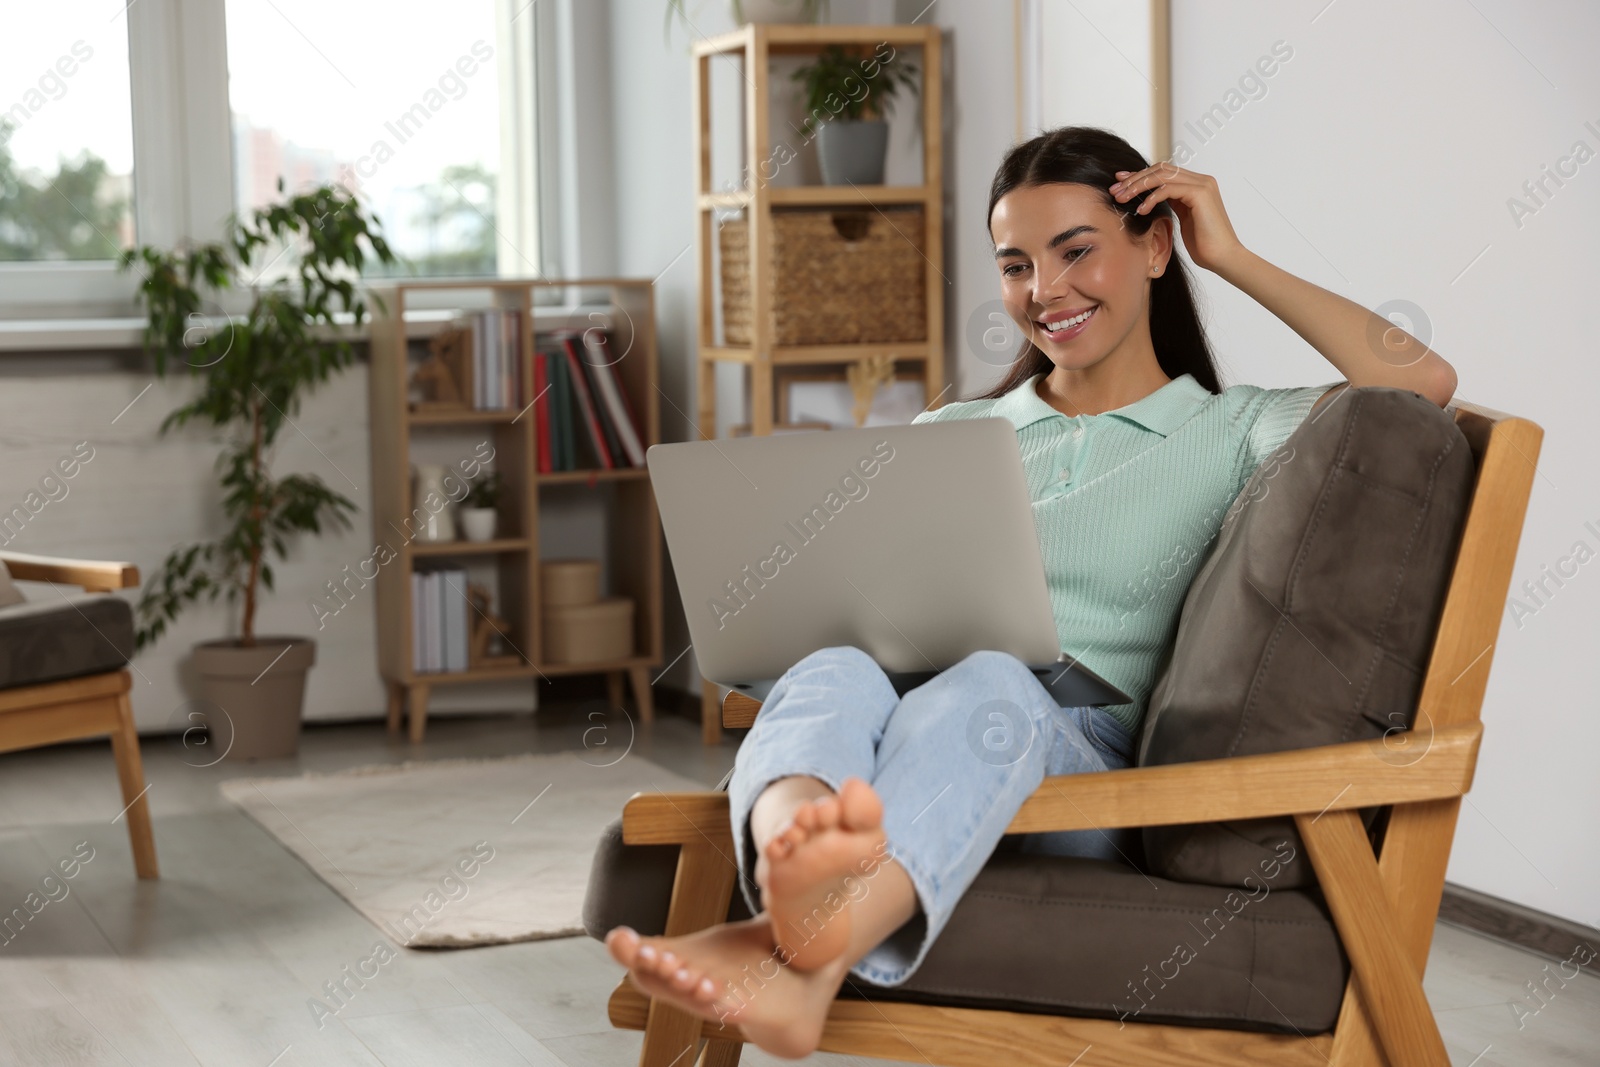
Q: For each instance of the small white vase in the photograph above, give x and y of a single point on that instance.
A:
(430, 505)
(477, 524)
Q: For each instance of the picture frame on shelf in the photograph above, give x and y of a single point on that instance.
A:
(827, 397)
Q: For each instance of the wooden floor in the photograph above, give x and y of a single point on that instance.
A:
(222, 960)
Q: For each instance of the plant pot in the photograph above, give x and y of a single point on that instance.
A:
(477, 524)
(259, 692)
(853, 151)
(745, 11)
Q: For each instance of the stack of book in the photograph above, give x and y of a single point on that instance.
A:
(439, 622)
(583, 416)
(496, 358)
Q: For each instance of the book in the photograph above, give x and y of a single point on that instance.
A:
(541, 414)
(508, 359)
(561, 403)
(418, 658)
(591, 417)
(591, 378)
(615, 394)
(478, 369)
(453, 609)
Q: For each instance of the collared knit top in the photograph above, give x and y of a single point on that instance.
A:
(1127, 504)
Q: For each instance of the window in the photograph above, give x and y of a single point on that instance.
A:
(403, 109)
(66, 132)
(151, 121)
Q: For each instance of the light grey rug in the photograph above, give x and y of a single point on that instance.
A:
(456, 852)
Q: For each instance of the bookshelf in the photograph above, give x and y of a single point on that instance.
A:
(770, 363)
(631, 545)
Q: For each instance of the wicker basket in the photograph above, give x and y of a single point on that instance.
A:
(838, 276)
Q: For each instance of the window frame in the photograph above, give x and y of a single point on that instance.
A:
(183, 166)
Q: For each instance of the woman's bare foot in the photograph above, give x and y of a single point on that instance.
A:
(815, 867)
(732, 974)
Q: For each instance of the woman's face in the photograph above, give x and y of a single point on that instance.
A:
(1062, 254)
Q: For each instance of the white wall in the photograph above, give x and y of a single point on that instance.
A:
(1378, 164)
(143, 493)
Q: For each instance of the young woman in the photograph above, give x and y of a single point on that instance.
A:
(866, 814)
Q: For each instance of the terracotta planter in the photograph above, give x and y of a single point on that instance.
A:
(260, 691)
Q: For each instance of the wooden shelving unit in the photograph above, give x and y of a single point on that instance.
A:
(755, 44)
(632, 547)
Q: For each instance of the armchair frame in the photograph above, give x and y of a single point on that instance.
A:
(1384, 905)
(90, 706)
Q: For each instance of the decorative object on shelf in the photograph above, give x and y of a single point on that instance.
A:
(432, 504)
(488, 631)
(444, 380)
(742, 429)
(826, 395)
(748, 11)
(588, 633)
(569, 581)
(580, 625)
(849, 93)
(864, 376)
(255, 370)
(837, 277)
(479, 509)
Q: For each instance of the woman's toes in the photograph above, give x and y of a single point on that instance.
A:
(668, 965)
(705, 991)
(827, 813)
(623, 944)
(684, 980)
(860, 807)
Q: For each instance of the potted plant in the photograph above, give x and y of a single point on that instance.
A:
(478, 510)
(744, 11)
(253, 371)
(848, 94)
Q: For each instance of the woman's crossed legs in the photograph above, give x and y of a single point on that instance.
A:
(863, 817)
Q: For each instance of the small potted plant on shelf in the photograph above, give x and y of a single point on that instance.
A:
(848, 94)
(478, 511)
(746, 11)
(253, 371)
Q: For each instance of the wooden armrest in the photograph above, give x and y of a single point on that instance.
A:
(95, 576)
(1358, 774)
(739, 711)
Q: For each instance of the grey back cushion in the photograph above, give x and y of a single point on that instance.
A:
(1312, 620)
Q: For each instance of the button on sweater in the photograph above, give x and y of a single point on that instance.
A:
(1127, 504)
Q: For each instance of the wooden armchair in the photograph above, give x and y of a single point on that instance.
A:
(1383, 905)
(54, 709)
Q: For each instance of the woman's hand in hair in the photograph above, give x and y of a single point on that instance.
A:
(1197, 203)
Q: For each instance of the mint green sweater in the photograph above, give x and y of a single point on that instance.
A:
(1127, 504)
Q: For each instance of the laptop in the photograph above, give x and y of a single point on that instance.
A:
(914, 543)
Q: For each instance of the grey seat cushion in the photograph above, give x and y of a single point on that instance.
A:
(64, 637)
(1073, 937)
(1312, 620)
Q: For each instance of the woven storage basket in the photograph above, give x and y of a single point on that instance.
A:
(838, 276)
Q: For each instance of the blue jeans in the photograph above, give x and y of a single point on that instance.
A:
(953, 759)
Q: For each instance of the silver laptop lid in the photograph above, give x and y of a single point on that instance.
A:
(914, 543)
